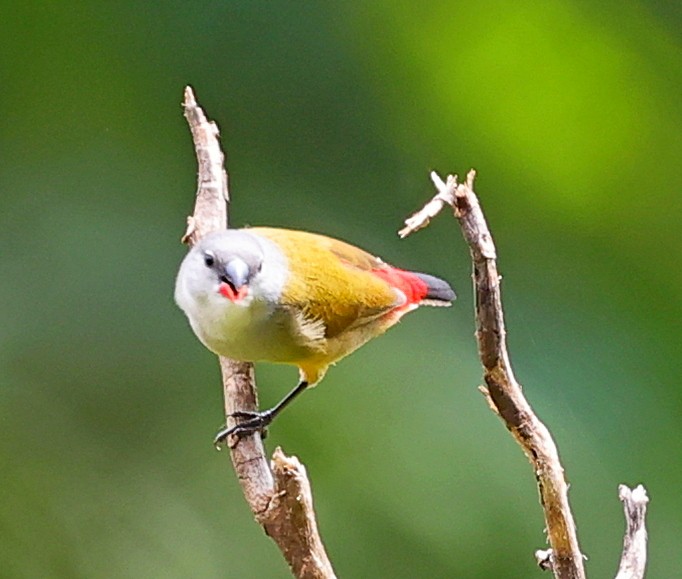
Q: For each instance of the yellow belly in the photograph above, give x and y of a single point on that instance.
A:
(254, 333)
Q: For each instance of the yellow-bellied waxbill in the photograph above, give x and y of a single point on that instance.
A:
(293, 297)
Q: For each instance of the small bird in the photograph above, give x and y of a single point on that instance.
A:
(293, 297)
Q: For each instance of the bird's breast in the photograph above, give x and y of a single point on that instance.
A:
(253, 332)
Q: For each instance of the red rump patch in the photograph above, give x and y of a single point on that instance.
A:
(414, 288)
(225, 290)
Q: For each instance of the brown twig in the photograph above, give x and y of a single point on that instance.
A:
(280, 499)
(503, 392)
(633, 559)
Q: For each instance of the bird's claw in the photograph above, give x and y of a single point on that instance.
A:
(255, 422)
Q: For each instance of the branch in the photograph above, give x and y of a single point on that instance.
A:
(280, 499)
(633, 560)
(503, 392)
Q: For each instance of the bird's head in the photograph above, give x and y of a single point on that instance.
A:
(224, 265)
(230, 266)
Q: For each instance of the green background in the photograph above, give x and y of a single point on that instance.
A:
(332, 115)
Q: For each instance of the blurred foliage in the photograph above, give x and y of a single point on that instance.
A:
(332, 114)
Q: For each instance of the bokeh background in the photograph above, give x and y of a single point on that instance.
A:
(332, 115)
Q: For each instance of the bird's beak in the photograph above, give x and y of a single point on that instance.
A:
(234, 279)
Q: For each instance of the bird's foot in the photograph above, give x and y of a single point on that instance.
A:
(253, 422)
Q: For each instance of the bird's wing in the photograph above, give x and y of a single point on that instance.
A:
(331, 281)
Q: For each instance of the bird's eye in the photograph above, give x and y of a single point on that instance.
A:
(209, 260)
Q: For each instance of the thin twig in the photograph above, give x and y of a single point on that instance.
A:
(503, 392)
(633, 560)
(280, 499)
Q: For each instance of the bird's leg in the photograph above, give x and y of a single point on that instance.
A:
(258, 421)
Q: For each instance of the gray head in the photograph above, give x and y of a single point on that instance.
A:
(224, 262)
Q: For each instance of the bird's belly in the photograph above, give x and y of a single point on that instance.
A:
(253, 333)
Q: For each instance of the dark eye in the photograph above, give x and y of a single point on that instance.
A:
(209, 260)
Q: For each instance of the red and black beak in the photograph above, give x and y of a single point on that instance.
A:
(234, 280)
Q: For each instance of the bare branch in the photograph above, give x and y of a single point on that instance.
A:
(292, 506)
(280, 498)
(633, 560)
(422, 217)
(210, 209)
(503, 392)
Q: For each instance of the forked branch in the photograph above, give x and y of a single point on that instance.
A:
(280, 498)
(503, 392)
(506, 398)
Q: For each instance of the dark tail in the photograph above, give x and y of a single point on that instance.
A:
(439, 291)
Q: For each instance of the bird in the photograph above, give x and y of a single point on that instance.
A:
(293, 297)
